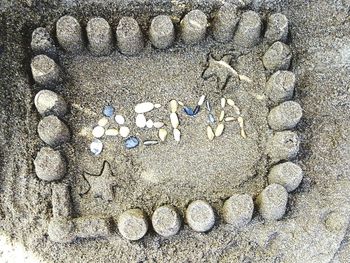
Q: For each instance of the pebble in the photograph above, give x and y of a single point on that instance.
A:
(48, 102)
(174, 120)
(222, 115)
(96, 147)
(158, 124)
(144, 107)
(283, 146)
(280, 86)
(223, 102)
(100, 37)
(277, 57)
(112, 132)
(124, 131)
(119, 119)
(277, 28)
(150, 142)
(157, 105)
(49, 165)
(200, 216)
(272, 202)
(129, 36)
(162, 32)
(241, 125)
(61, 230)
(177, 135)
(219, 130)
(108, 111)
(201, 100)
(210, 133)
(248, 31)
(149, 124)
(42, 42)
(53, 131)
(181, 103)
(69, 34)
(285, 116)
(173, 106)
(103, 122)
(162, 133)
(98, 131)
(131, 142)
(225, 22)
(287, 174)
(45, 71)
(231, 102)
(211, 118)
(238, 210)
(166, 221)
(141, 121)
(193, 27)
(133, 224)
(237, 110)
(229, 119)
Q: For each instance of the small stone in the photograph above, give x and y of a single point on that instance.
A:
(99, 34)
(177, 135)
(69, 34)
(61, 230)
(238, 210)
(45, 71)
(200, 216)
(144, 107)
(48, 102)
(132, 224)
(283, 146)
(248, 31)
(49, 165)
(211, 118)
(201, 100)
(229, 119)
(162, 32)
(124, 131)
(210, 133)
(53, 131)
(112, 132)
(219, 130)
(173, 106)
(181, 103)
(96, 147)
(158, 124)
(162, 133)
(272, 202)
(166, 221)
(223, 102)
(98, 131)
(174, 120)
(42, 42)
(193, 27)
(149, 124)
(231, 102)
(129, 36)
(224, 23)
(277, 57)
(131, 142)
(287, 174)
(119, 119)
(280, 86)
(140, 121)
(150, 142)
(277, 28)
(157, 105)
(222, 115)
(103, 122)
(108, 111)
(285, 116)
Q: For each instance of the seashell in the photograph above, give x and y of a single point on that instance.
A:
(98, 132)
(201, 100)
(131, 142)
(228, 119)
(207, 104)
(140, 121)
(108, 111)
(144, 107)
(112, 132)
(158, 124)
(230, 102)
(219, 130)
(149, 124)
(124, 131)
(211, 118)
(150, 142)
(177, 135)
(162, 134)
(96, 147)
(173, 106)
(119, 119)
(103, 122)
(223, 102)
(174, 120)
(157, 105)
(196, 110)
(188, 111)
(222, 115)
(210, 133)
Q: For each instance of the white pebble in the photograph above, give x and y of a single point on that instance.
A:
(174, 120)
(222, 116)
(228, 119)
(158, 124)
(210, 133)
(141, 121)
(162, 134)
(201, 100)
(177, 135)
(144, 107)
(230, 102)
(103, 122)
(173, 106)
(180, 103)
(223, 102)
(157, 105)
(147, 143)
(96, 147)
(237, 110)
(149, 124)
(219, 130)
(112, 132)
(119, 119)
(124, 131)
(241, 125)
(98, 132)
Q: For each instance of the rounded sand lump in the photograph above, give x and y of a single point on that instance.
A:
(100, 36)
(280, 86)
(200, 216)
(283, 146)
(45, 71)
(193, 27)
(277, 28)
(42, 43)
(69, 34)
(225, 22)
(61, 230)
(48, 102)
(162, 32)
(277, 57)
(53, 131)
(133, 224)
(49, 165)
(129, 36)
(166, 221)
(285, 116)
(238, 210)
(248, 30)
(287, 174)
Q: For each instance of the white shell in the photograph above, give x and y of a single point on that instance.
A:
(162, 134)
(149, 124)
(177, 135)
(222, 116)
(223, 102)
(96, 147)
(151, 142)
(201, 100)
(241, 125)
(230, 102)
(141, 121)
(124, 131)
(210, 133)
(174, 120)
(157, 105)
(228, 119)
(112, 132)
(219, 129)
(144, 107)
(98, 132)
(119, 119)
(173, 106)
(103, 122)
(158, 124)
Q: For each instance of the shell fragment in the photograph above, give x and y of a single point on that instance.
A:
(223, 102)
(158, 124)
(103, 122)
(219, 130)
(177, 135)
(144, 107)
(112, 132)
(173, 106)
(141, 121)
(228, 119)
(222, 116)
(124, 131)
(210, 133)
(201, 100)
(149, 124)
(241, 125)
(162, 134)
(150, 142)
(174, 120)
(119, 119)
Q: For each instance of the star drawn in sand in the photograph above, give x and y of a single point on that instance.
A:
(102, 185)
